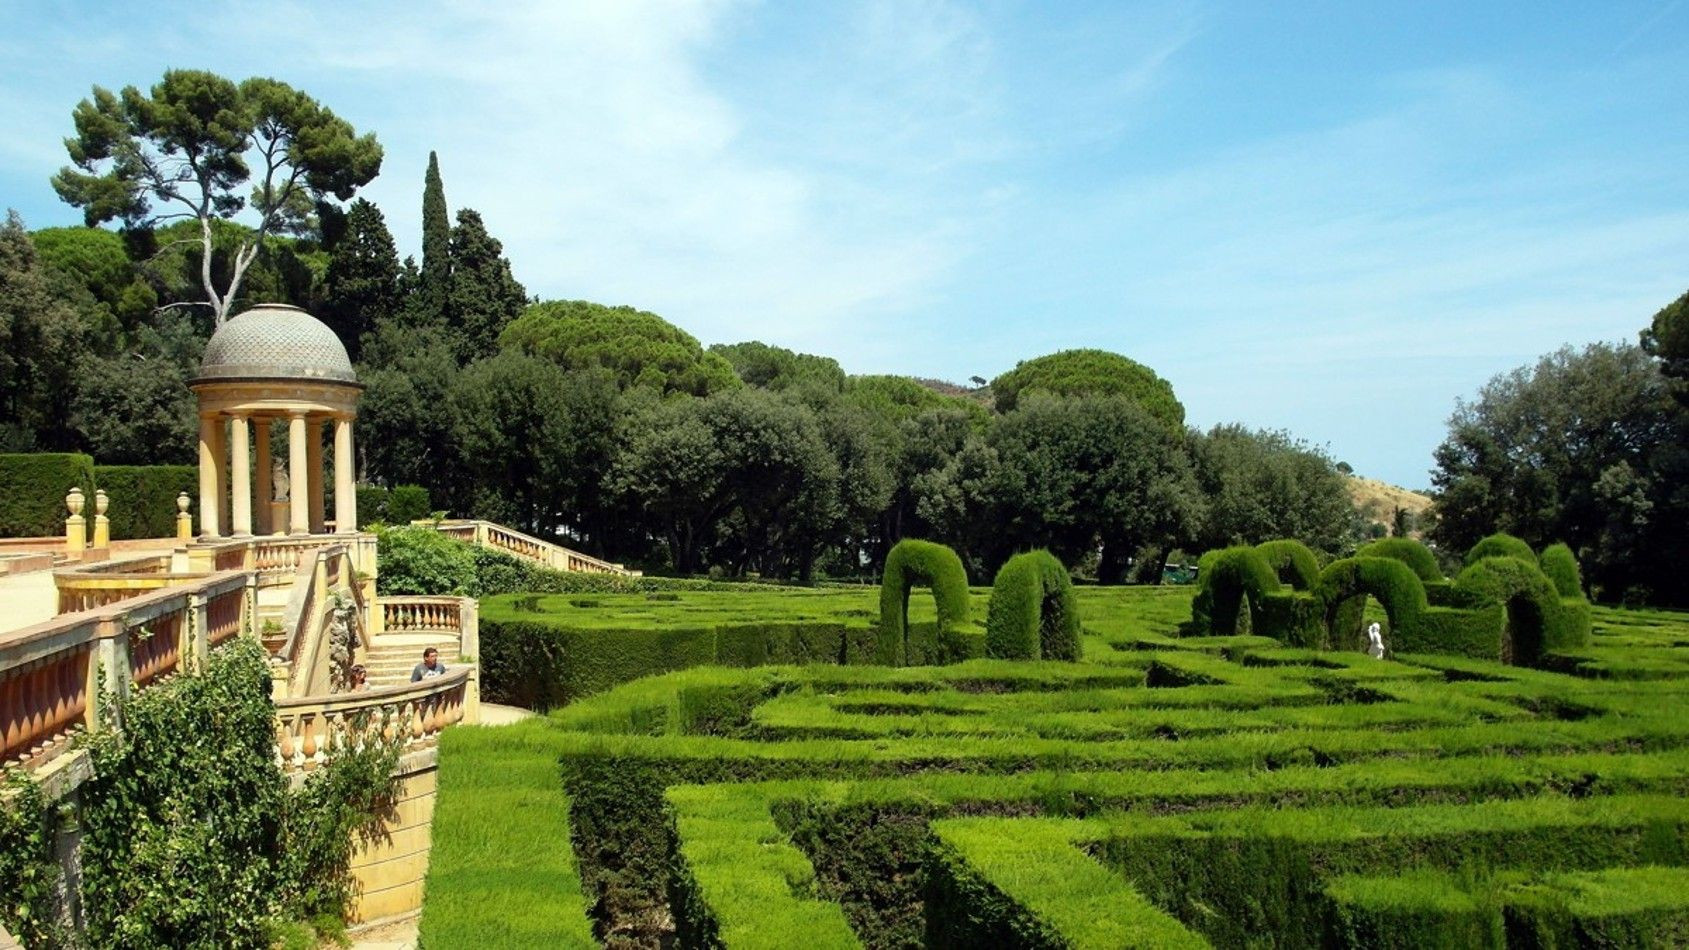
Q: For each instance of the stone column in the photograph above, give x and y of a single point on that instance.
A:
(208, 527)
(299, 517)
(345, 493)
(262, 494)
(314, 471)
(240, 473)
(220, 439)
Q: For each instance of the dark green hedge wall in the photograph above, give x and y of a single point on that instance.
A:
(540, 665)
(1033, 613)
(143, 497)
(912, 562)
(33, 488)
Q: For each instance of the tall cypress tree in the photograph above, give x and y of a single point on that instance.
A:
(485, 295)
(436, 245)
(363, 276)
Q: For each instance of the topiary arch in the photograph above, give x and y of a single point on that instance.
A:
(1413, 553)
(1225, 578)
(1033, 613)
(1501, 544)
(1534, 610)
(914, 562)
(1344, 584)
(1561, 566)
(1293, 561)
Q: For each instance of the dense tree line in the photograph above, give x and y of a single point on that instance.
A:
(1585, 446)
(606, 426)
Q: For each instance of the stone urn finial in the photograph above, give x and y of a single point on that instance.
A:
(182, 503)
(75, 502)
(101, 502)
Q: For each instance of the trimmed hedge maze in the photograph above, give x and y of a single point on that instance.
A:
(1507, 604)
(1164, 791)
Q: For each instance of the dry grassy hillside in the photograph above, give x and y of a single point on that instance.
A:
(1378, 500)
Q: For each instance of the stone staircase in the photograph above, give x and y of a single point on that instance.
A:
(391, 656)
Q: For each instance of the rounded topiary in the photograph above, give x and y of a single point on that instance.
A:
(1561, 566)
(1501, 544)
(914, 562)
(1396, 587)
(1225, 577)
(1413, 553)
(1293, 562)
(1536, 622)
(1033, 612)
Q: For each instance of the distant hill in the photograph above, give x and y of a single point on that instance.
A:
(1378, 500)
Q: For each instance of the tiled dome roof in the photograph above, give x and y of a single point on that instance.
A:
(275, 341)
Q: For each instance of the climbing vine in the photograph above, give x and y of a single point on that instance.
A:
(28, 873)
(192, 835)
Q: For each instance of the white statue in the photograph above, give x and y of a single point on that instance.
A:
(1374, 641)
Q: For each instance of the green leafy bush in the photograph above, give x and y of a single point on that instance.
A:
(911, 562)
(420, 560)
(192, 837)
(1033, 613)
(33, 502)
(372, 504)
(29, 870)
(408, 503)
(143, 497)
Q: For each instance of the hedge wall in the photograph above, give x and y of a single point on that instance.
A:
(541, 665)
(1033, 612)
(33, 488)
(143, 497)
(912, 562)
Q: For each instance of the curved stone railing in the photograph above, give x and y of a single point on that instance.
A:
(48, 671)
(488, 534)
(309, 728)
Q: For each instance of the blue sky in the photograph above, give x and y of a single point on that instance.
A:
(1333, 218)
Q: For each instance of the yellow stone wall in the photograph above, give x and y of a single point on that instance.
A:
(389, 871)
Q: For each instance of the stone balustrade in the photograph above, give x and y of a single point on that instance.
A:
(450, 615)
(310, 728)
(49, 671)
(500, 538)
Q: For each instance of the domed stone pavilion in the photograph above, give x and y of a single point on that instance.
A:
(274, 365)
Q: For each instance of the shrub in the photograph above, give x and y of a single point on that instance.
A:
(912, 562)
(1033, 613)
(1561, 566)
(1410, 552)
(1500, 544)
(1293, 561)
(33, 488)
(143, 497)
(408, 503)
(420, 560)
(372, 504)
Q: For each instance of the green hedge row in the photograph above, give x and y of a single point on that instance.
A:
(1503, 605)
(911, 562)
(143, 497)
(33, 488)
(1033, 612)
(541, 664)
